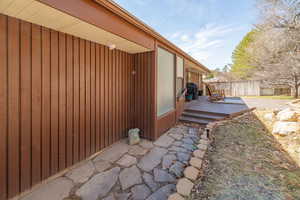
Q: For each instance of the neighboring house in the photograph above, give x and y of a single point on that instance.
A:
(75, 76)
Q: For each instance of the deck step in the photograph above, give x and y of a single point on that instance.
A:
(194, 120)
(207, 113)
(210, 117)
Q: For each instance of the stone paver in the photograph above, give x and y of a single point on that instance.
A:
(102, 165)
(177, 169)
(113, 153)
(163, 176)
(168, 160)
(176, 136)
(129, 177)
(127, 161)
(164, 141)
(163, 193)
(99, 185)
(54, 190)
(123, 172)
(196, 162)
(140, 192)
(137, 151)
(110, 197)
(184, 187)
(146, 144)
(149, 180)
(191, 173)
(152, 159)
(204, 142)
(82, 173)
(175, 196)
(183, 157)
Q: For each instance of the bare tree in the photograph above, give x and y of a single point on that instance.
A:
(276, 50)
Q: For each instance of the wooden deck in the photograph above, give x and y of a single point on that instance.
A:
(202, 111)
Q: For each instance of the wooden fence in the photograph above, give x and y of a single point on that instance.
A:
(239, 88)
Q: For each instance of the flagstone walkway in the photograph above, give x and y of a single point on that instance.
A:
(146, 171)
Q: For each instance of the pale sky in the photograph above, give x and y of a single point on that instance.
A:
(208, 30)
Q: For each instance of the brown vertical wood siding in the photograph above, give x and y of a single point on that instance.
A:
(144, 81)
(62, 99)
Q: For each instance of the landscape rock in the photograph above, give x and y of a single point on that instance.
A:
(188, 147)
(99, 185)
(163, 176)
(287, 115)
(149, 180)
(269, 116)
(177, 149)
(191, 173)
(164, 141)
(163, 193)
(196, 162)
(129, 177)
(199, 154)
(152, 159)
(127, 161)
(175, 196)
(140, 192)
(56, 189)
(81, 173)
(177, 169)
(184, 187)
(202, 147)
(134, 136)
(168, 160)
(286, 128)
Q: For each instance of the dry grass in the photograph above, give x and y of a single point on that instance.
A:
(247, 162)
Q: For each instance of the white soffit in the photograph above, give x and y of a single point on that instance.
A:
(41, 14)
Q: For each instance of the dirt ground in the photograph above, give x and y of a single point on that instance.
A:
(246, 162)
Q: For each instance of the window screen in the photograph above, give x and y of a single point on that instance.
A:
(165, 82)
(179, 79)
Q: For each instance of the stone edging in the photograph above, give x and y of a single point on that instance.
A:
(191, 173)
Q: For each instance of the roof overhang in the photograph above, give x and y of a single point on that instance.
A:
(114, 7)
(39, 13)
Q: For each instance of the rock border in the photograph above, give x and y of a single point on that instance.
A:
(192, 171)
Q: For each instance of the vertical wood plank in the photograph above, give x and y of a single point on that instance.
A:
(46, 86)
(113, 91)
(13, 106)
(25, 61)
(62, 101)
(93, 98)
(102, 95)
(3, 106)
(97, 97)
(82, 99)
(88, 97)
(107, 89)
(36, 103)
(54, 102)
(69, 91)
(76, 91)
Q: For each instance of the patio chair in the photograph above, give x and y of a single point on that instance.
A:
(214, 94)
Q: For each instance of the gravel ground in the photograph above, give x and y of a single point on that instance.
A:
(266, 103)
(245, 162)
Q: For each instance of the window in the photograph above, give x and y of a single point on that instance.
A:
(165, 82)
(179, 79)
